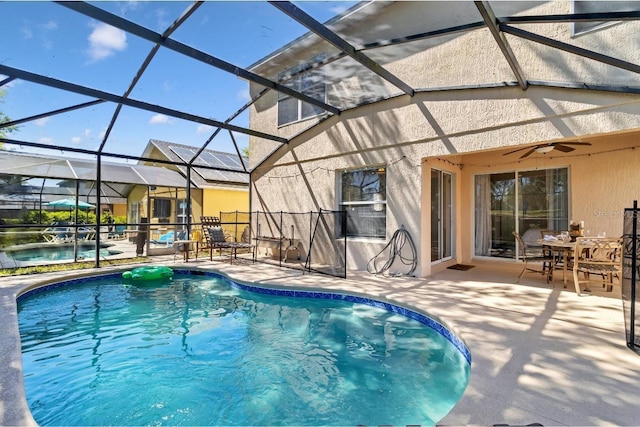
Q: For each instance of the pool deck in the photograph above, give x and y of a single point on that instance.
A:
(540, 354)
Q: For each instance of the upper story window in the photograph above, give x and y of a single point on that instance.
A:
(600, 6)
(310, 83)
(363, 195)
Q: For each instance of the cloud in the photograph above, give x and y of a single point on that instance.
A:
(51, 25)
(45, 140)
(159, 119)
(126, 7)
(244, 95)
(26, 32)
(105, 41)
(76, 140)
(87, 133)
(42, 122)
(203, 129)
(338, 10)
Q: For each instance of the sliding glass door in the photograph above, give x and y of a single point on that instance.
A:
(441, 215)
(523, 201)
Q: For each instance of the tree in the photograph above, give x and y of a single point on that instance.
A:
(5, 131)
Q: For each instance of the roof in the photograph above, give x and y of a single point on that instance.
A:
(219, 167)
(360, 43)
(46, 166)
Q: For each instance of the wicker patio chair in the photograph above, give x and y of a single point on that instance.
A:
(599, 260)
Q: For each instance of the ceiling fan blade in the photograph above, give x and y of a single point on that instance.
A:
(528, 153)
(515, 151)
(563, 148)
(574, 143)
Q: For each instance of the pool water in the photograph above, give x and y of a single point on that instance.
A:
(197, 350)
(55, 252)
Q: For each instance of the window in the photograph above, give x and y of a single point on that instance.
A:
(363, 195)
(310, 83)
(161, 208)
(600, 6)
(523, 201)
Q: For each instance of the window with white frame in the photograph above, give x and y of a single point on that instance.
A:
(310, 83)
(363, 195)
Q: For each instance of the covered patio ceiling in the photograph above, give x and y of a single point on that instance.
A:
(179, 60)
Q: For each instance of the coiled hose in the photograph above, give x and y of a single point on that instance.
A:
(399, 240)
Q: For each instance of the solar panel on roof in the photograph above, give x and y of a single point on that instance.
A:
(229, 160)
(212, 160)
(222, 176)
(185, 154)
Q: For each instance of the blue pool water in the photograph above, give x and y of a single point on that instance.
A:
(200, 350)
(55, 252)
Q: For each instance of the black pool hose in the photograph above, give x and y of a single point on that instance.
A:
(398, 241)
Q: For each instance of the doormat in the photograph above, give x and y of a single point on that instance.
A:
(462, 267)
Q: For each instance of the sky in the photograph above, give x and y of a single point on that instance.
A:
(49, 39)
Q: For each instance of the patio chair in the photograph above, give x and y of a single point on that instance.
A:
(218, 241)
(117, 232)
(599, 260)
(166, 239)
(86, 233)
(539, 263)
(59, 233)
(207, 222)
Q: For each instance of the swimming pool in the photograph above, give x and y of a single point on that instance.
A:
(202, 350)
(55, 252)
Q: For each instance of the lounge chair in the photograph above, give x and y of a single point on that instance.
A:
(207, 223)
(166, 239)
(218, 241)
(57, 234)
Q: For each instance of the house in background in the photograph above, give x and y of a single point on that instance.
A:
(471, 126)
(212, 190)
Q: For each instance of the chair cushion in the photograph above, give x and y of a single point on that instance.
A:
(216, 235)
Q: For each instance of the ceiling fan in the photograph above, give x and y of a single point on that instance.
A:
(546, 148)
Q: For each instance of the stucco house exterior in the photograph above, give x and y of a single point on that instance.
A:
(497, 120)
(212, 191)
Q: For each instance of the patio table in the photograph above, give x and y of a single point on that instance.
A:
(187, 247)
(562, 249)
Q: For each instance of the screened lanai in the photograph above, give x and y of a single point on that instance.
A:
(56, 209)
(93, 83)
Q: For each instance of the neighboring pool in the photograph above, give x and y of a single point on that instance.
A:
(52, 252)
(202, 350)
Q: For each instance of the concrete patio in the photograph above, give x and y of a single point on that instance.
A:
(540, 354)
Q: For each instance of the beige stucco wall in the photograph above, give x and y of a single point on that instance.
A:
(455, 130)
(302, 176)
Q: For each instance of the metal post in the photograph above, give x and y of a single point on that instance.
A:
(75, 225)
(280, 242)
(634, 266)
(307, 263)
(188, 207)
(343, 219)
(99, 184)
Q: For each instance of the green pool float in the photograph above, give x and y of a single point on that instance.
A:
(141, 274)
